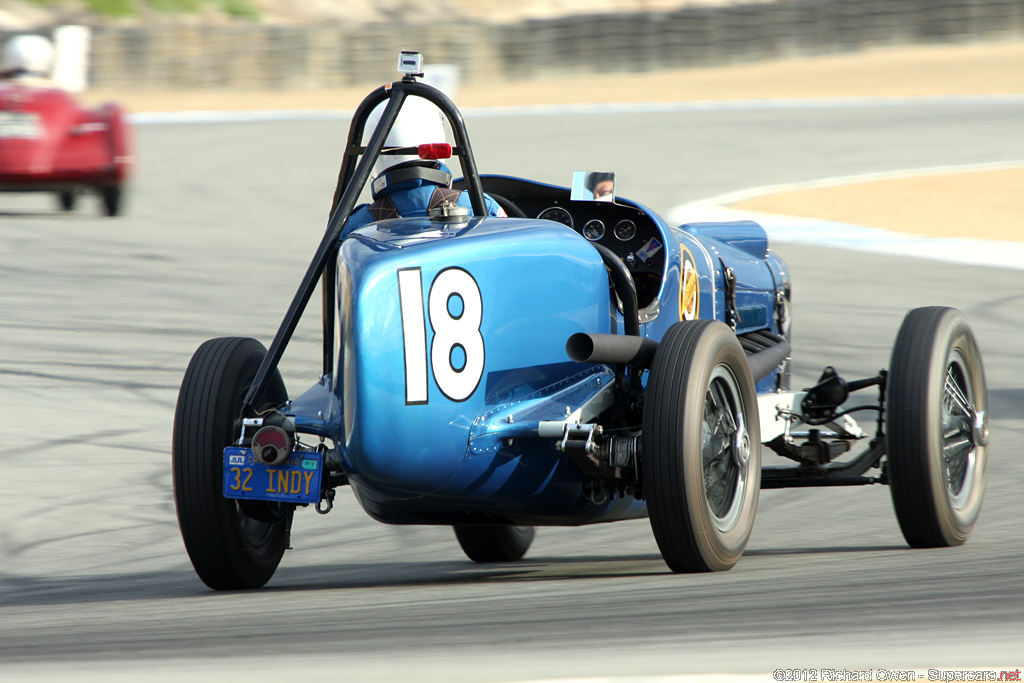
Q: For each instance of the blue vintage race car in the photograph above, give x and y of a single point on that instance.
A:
(580, 361)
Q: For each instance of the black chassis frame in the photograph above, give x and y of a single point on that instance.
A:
(820, 406)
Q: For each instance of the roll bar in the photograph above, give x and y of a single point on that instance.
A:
(356, 166)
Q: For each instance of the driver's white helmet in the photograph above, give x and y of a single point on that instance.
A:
(419, 122)
(29, 53)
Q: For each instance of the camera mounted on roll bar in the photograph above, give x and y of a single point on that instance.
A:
(410, 63)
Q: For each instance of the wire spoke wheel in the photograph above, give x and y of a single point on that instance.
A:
(936, 428)
(959, 452)
(725, 447)
(701, 455)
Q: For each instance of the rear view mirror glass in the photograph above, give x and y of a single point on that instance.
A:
(593, 186)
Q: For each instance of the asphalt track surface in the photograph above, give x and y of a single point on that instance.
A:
(99, 317)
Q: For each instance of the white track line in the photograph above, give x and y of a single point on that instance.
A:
(203, 116)
(781, 228)
(597, 108)
(760, 191)
(753, 104)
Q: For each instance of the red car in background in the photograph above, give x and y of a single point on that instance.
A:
(49, 144)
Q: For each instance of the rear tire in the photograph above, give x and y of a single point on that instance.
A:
(67, 200)
(937, 454)
(494, 542)
(113, 200)
(702, 447)
(232, 545)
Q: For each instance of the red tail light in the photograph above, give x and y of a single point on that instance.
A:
(435, 150)
(272, 445)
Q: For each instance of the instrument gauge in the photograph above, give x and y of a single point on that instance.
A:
(557, 214)
(625, 230)
(593, 230)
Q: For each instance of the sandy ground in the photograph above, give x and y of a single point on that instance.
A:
(984, 205)
(981, 204)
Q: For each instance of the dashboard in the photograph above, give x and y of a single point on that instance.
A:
(624, 229)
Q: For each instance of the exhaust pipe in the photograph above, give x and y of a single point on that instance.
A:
(613, 349)
(764, 362)
(618, 349)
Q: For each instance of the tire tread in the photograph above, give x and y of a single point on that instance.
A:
(208, 402)
(685, 350)
(913, 446)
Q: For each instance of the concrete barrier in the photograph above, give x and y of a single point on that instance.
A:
(287, 57)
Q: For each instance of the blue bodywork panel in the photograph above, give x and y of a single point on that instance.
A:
(450, 348)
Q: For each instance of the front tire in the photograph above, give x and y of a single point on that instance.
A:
(702, 447)
(232, 544)
(494, 542)
(936, 428)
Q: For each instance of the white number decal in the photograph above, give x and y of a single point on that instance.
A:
(410, 293)
(457, 351)
(455, 309)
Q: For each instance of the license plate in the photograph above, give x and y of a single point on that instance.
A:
(20, 125)
(295, 481)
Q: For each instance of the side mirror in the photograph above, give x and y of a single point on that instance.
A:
(593, 186)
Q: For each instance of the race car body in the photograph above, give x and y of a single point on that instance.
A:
(512, 376)
(49, 144)
(578, 361)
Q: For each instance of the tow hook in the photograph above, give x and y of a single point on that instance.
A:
(329, 498)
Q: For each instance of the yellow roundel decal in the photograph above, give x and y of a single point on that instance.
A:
(689, 286)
